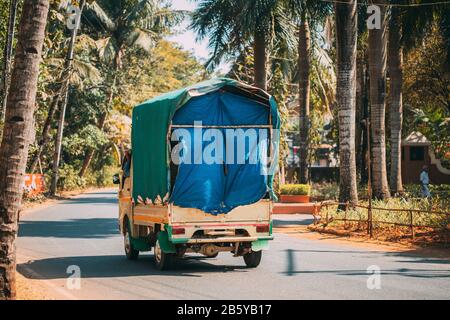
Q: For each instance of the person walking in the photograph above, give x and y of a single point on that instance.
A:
(424, 182)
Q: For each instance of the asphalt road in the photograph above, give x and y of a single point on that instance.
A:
(83, 232)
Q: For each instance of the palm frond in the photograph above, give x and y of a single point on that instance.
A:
(107, 49)
(96, 16)
(140, 38)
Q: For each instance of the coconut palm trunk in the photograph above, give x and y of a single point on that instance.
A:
(8, 54)
(377, 73)
(17, 134)
(395, 59)
(346, 39)
(260, 59)
(304, 65)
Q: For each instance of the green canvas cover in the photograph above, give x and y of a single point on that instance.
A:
(149, 134)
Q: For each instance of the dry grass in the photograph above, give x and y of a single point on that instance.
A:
(389, 224)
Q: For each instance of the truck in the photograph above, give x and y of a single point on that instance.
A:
(199, 177)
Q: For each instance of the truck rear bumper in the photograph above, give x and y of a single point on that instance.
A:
(219, 239)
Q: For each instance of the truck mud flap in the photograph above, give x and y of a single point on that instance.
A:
(166, 245)
(259, 245)
(141, 244)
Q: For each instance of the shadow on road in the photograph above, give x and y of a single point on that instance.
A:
(118, 266)
(92, 200)
(406, 257)
(73, 228)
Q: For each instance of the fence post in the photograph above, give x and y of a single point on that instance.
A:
(411, 224)
(447, 227)
(315, 213)
(369, 182)
(345, 215)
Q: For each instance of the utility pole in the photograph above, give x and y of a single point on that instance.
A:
(76, 12)
(8, 54)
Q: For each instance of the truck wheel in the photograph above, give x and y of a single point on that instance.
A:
(163, 261)
(252, 259)
(130, 251)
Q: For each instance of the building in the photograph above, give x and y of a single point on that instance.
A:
(417, 152)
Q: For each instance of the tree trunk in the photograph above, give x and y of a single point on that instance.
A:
(377, 72)
(59, 134)
(362, 114)
(346, 39)
(45, 135)
(395, 59)
(17, 134)
(8, 54)
(304, 65)
(259, 64)
(359, 112)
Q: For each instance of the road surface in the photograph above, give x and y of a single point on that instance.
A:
(83, 233)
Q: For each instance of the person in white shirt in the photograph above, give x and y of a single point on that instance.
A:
(424, 182)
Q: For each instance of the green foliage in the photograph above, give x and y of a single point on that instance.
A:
(296, 189)
(69, 178)
(427, 92)
(325, 191)
(144, 75)
(89, 136)
(144, 66)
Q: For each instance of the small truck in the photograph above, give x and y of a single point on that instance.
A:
(175, 206)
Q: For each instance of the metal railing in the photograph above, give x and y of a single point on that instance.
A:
(344, 207)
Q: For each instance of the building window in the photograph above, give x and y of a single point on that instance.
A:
(417, 153)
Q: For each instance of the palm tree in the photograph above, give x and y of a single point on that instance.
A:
(122, 25)
(395, 62)
(346, 40)
(308, 13)
(17, 134)
(304, 66)
(377, 89)
(232, 24)
(406, 29)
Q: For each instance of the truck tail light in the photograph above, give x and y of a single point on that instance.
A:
(262, 228)
(178, 231)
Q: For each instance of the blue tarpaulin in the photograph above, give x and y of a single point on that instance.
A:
(221, 167)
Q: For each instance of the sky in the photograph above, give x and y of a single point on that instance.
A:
(187, 38)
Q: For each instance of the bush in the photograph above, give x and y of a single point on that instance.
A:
(69, 178)
(295, 189)
(325, 191)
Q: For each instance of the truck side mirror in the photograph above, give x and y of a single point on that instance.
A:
(116, 179)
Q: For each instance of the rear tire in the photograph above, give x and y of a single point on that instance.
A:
(130, 251)
(252, 259)
(163, 261)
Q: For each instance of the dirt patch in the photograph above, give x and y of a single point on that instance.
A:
(339, 237)
(28, 289)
